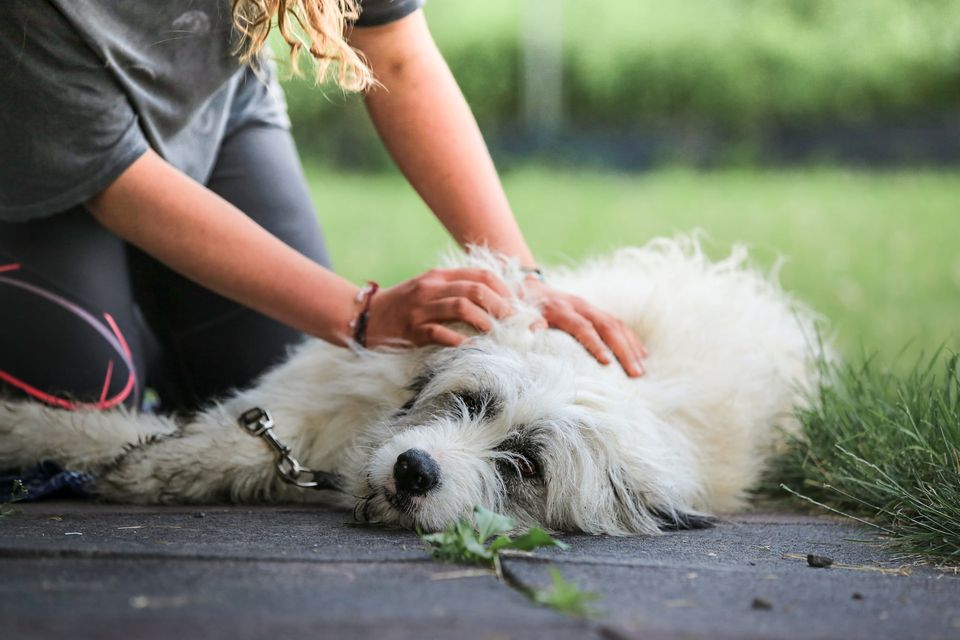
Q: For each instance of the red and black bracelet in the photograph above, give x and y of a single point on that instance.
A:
(364, 298)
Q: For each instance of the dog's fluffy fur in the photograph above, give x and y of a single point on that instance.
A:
(522, 422)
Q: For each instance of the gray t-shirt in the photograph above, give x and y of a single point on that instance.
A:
(90, 85)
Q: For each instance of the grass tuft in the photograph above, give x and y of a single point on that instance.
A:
(884, 448)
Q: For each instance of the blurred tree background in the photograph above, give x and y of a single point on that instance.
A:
(824, 130)
(702, 81)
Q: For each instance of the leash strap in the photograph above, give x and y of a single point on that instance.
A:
(257, 422)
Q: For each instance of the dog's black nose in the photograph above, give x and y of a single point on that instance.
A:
(416, 472)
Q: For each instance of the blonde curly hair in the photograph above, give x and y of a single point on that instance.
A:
(317, 25)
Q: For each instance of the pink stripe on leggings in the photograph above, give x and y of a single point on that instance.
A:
(116, 340)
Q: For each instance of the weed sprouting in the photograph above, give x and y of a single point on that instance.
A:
(481, 542)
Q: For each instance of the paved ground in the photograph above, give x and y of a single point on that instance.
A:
(80, 570)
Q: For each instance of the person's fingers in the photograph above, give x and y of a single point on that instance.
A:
(608, 325)
(617, 337)
(639, 348)
(583, 331)
(438, 334)
(457, 310)
(480, 294)
(482, 276)
(602, 334)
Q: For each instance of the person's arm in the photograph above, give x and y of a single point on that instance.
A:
(428, 128)
(197, 233)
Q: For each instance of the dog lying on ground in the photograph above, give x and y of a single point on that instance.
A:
(523, 422)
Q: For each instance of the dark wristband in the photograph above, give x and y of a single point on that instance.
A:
(365, 298)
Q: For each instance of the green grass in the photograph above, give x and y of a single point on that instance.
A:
(886, 447)
(874, 252)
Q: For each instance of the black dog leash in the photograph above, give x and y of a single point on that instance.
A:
(257, 422)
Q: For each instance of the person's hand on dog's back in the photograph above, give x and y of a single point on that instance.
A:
(605, 336)
(419, 311)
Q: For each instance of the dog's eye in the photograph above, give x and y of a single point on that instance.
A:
(523, 460)
(523, 465)
(528, 467)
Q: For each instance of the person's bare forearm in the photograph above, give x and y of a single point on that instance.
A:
(426, 124)
(202, 236)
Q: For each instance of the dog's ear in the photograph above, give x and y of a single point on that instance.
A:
(634, 507)
(673, 520)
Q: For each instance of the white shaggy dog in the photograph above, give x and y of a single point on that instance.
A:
(522, 422)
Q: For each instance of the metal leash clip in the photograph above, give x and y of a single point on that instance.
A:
(257, 422)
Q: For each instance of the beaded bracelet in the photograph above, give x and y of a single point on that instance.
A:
(359, 325)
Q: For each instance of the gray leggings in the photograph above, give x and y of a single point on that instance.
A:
(88, 320)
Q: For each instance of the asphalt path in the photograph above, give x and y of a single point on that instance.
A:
(85, 570)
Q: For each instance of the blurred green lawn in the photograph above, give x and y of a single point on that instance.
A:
(874, 252)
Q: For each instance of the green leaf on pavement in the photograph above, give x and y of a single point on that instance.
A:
(566, 597)
(466, 542)
(532, 539)
(490, 523)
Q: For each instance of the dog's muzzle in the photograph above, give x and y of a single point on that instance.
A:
(415, 472)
